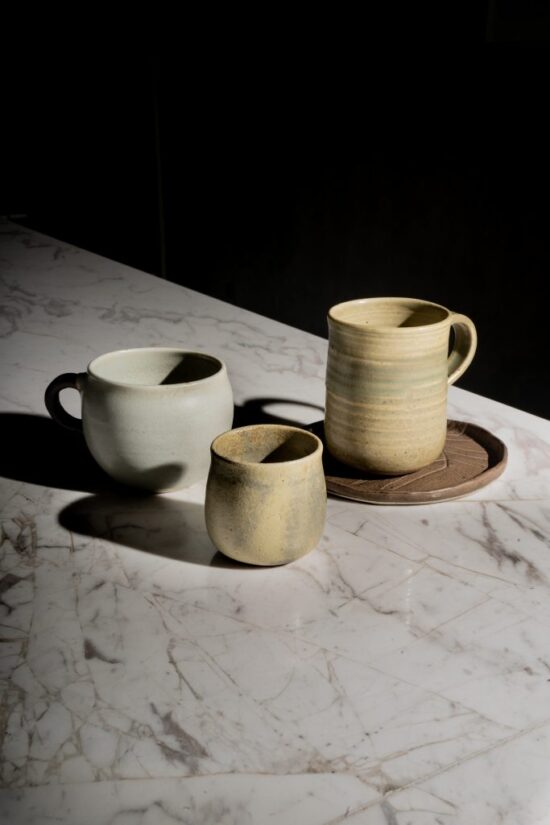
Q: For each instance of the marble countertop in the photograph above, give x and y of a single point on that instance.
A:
(397, 675)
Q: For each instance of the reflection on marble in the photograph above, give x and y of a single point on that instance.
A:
(397, 675)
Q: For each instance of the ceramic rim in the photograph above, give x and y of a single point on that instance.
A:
(332, 316)
(92, 366)
(264, 427)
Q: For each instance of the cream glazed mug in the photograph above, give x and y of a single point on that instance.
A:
(388, 372)
(149, 414)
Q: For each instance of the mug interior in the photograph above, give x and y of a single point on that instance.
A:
(154, 367)
(389, 313)
(265, 444)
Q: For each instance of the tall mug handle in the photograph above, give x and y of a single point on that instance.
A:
(53, 404)
(464, 347)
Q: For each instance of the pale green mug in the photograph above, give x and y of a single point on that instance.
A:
(387, 376)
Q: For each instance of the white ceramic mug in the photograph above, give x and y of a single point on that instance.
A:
(150, 414)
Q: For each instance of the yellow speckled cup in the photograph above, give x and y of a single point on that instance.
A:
(387, 377)
(266, 495)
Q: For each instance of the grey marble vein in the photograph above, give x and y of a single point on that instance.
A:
(397, 675)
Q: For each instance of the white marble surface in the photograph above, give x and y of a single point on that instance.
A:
(397, 675)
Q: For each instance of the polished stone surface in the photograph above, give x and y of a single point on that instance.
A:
(397, 675)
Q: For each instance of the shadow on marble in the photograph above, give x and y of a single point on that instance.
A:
(255, 411)
(158, 525)
(36, 450)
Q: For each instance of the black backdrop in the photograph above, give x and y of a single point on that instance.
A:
(287, 197)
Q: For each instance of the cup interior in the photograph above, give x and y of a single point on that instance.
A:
(154, 367)
(265, 444)
(389, 313)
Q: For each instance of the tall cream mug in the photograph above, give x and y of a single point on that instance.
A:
(149, 415)
(266, 495)
(387, 376)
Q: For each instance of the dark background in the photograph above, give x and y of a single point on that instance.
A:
(285, 193)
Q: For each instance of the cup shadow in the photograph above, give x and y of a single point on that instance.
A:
(170, 528)
(39, 451)
(153, 524)
(255, 411)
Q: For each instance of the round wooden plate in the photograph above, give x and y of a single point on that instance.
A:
(472, 458)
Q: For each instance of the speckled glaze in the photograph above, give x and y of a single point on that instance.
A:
(149, 414)
(266, 495)
(387, 379)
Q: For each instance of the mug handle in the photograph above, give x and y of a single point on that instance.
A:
(464, 347)
(53, 404)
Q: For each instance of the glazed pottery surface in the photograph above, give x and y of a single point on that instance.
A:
(149, 415)
(266, 494)
(387, 377)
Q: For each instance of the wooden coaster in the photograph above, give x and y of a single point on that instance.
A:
(472, 458)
